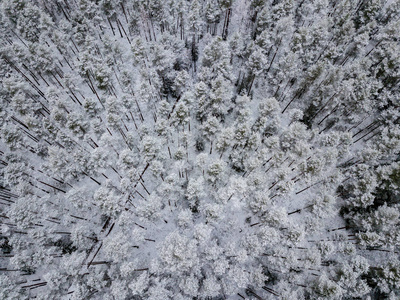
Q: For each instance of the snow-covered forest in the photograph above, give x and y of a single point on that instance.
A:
(199, 149)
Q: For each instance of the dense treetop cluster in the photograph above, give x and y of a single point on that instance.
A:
(199, 149)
